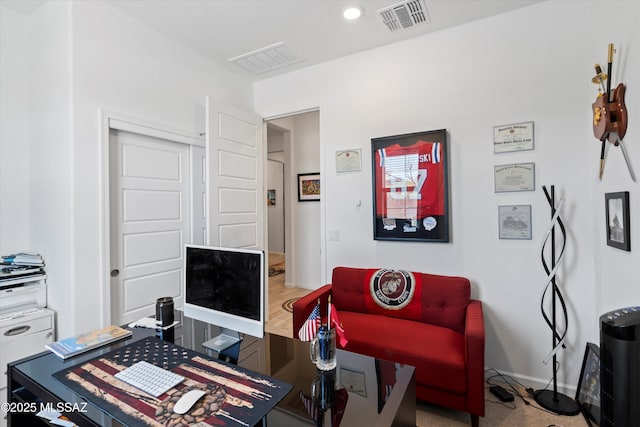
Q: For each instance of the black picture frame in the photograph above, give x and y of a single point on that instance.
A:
(588, 391)
(309, 187)
(410, 179)
(617, 213)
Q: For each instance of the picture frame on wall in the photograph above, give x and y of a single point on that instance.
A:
(617, 214)
(309, 187)
(588, 391)
(271, 197)
(514, 222)
(514, 177)
(513, 137)
(348, 160)
(411, 187)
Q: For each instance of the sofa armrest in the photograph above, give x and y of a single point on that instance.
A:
(474, 357)
(303, 307)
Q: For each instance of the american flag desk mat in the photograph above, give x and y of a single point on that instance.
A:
(235, 396)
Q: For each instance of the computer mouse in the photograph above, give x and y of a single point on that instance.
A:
(187, 400)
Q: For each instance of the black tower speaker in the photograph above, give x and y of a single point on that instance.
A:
(620, 368)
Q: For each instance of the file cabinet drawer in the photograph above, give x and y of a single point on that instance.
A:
(22, 326)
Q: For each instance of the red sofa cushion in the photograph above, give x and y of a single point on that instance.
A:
(436, 352)
(443, 299)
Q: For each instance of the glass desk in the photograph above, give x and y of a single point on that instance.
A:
(360, 391)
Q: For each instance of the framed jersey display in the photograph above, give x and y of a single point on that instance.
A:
(411, 187)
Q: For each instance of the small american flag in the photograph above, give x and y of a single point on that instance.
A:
(310, 326)
(309, 405)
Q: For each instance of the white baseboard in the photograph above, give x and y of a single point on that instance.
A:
(533, 382)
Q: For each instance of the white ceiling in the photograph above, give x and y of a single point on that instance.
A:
(314, 29)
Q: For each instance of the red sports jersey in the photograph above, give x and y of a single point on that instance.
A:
(410, 181)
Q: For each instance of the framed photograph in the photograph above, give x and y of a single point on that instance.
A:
(411, 187)
(588, 391)
(271, 197)
(617, 208)
(514, 222)
(308, 187)
(514, 177)
(353, 381)
(348, 160)
(513, 137)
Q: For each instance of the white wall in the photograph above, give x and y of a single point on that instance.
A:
(51, 168)
(85, 57)
(533, 64)
(14, 154)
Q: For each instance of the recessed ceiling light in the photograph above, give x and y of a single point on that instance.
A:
(352, 12)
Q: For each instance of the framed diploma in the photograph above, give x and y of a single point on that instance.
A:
(410, 187)
(514, 177)
(514, 222)
(348, 160)
(353, 381)
(513, 137)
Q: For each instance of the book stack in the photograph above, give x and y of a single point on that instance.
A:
(23, 258)
(20, 265)
(76, 345)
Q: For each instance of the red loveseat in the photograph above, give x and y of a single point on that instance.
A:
(424, 320)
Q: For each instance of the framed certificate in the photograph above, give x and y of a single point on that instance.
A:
(514, 177)
(353, 381)
(348, 160)
(513, 137)
(514, 222)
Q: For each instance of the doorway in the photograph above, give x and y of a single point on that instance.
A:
(294, 142)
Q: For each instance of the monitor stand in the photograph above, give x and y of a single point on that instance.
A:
(226, 339)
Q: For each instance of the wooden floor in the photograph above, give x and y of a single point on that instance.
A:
(280, 320)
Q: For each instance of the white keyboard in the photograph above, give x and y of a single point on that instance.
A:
(149, 378)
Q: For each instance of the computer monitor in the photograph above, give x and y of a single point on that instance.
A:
(225, 287)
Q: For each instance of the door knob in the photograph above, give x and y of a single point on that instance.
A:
(115, 272)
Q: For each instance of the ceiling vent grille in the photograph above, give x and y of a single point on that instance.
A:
(267, 58)
(404, 15)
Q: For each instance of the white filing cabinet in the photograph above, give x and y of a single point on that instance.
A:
(21, 337)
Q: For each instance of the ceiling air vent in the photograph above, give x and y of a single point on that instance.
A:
(267, 58)
(404, 15)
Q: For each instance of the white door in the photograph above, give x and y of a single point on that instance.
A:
(150, 222)
(235, 157)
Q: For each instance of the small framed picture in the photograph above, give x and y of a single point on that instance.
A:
(271, 197)
(617, 211)
(514, 222)
(588, 391)
(308, 187)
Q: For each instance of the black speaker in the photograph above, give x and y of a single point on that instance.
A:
(164, 311)
(620, 368)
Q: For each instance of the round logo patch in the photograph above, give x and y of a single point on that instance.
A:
(392, 289)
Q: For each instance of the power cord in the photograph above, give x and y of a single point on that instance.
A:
(508, 380)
